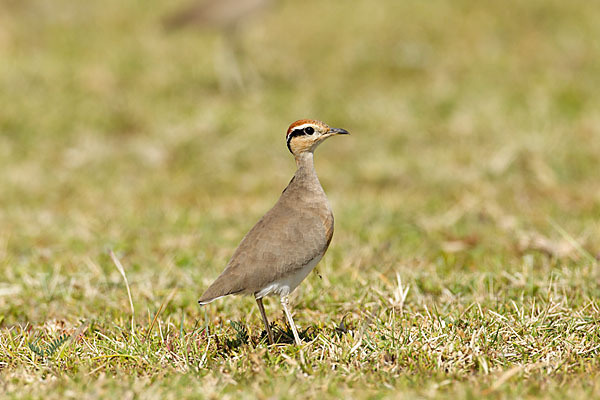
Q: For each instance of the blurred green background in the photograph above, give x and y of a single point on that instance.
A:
(475, 136)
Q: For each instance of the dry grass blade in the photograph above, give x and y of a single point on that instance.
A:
(160, 309)
(399, 293)
(122, 271)
(503, 379)
(507, 375)
(573, 242)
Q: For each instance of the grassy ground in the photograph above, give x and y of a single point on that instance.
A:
(467, 200)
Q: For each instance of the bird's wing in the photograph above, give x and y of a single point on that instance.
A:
(285, 239)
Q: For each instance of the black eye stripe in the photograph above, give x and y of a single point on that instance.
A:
(294, 133)
(299, 132)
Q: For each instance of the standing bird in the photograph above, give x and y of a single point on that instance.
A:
(290, 239)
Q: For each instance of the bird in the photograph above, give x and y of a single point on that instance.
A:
(228, 18)
(286, 244)
(222, 14)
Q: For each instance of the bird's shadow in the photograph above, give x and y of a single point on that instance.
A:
(282, 334)
(285, 335)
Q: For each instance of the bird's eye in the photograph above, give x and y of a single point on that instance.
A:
(309, 130)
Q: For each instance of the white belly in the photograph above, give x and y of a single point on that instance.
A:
(287, 284)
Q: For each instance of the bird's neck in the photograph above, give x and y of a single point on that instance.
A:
(305, 159)
(305, 163)
(306, 172)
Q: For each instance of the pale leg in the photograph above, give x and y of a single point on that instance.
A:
(265, 320)
(284, 303)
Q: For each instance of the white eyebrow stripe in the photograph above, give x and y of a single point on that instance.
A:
(302, 126)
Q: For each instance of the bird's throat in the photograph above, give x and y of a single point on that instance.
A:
(305, 160)
(306, 175)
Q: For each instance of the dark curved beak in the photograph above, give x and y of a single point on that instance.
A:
(338, 131)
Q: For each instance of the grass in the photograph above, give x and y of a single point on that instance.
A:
(467, 200)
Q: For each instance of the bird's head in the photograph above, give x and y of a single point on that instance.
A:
(306, 134)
